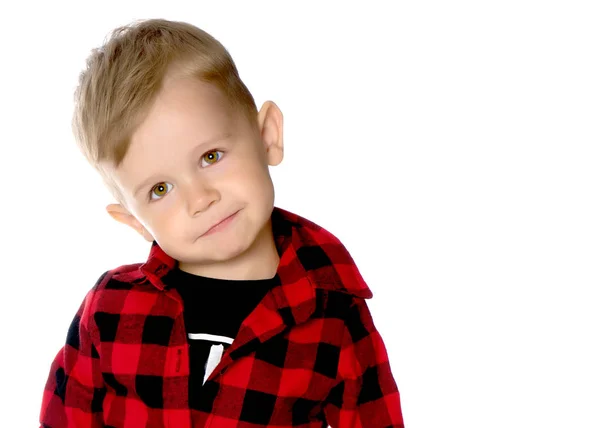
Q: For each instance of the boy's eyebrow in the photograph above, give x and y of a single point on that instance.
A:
(209, 141)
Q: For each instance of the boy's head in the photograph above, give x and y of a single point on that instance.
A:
(163, 116)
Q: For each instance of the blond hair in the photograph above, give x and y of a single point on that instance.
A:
(123, 77)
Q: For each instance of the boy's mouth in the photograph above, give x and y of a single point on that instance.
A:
(220, 225)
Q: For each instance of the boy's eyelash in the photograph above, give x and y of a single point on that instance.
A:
(209, 151)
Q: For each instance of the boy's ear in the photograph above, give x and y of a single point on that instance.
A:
(270, 125)
(122, 215)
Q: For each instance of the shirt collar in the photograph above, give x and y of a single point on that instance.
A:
(310, 257)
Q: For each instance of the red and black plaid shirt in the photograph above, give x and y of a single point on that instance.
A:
(307, 356)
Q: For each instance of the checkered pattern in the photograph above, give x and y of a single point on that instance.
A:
(307, 356)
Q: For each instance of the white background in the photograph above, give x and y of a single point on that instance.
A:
(453, 147)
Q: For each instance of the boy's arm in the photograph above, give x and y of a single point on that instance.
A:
(367, 396)
(75, 389)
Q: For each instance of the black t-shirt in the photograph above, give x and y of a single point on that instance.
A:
(213, 311)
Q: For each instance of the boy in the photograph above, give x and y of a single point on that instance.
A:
(244, 314)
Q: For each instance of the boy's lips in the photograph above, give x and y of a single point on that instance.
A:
(222, 223)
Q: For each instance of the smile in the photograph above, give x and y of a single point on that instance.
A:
(221, 225)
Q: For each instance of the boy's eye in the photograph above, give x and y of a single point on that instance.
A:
(212, 158)
(162, 186)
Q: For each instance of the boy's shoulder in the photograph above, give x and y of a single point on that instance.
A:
(328, 262)
(107, 288)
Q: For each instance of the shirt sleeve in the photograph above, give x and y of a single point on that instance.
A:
(75, 390)
(367, 395)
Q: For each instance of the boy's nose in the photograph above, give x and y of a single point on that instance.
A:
(199, 198)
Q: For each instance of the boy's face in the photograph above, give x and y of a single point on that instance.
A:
(193, 162)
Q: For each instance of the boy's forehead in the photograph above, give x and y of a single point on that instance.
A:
(186, 115)
(183, 105)
(183, 115)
